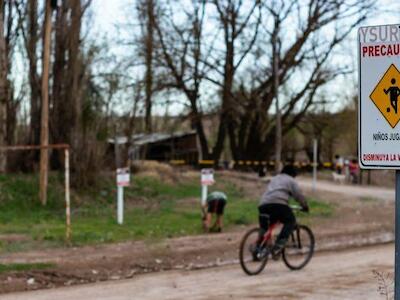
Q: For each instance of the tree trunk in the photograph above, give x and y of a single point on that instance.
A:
(4, 90)
(34, 135)
(12, 113)
(278, 126)
(226, 114)
(60, 115)
(74, 91)
(149, 64)
(198, 125)
(44, 136)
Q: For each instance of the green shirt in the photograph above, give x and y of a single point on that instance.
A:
(216, 196)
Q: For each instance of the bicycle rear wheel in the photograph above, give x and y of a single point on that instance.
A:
(299, 248)
(252, 258)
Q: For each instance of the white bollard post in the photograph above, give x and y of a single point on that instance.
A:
(315, 165)
(120, 204)
(207, 178)
(204, 191)
(67, 197)
(123, 179)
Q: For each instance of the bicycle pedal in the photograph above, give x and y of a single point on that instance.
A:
(263, 253)
(276, 256)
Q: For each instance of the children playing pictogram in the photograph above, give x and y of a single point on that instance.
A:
(394, 92)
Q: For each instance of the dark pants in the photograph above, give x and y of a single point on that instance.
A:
(216, 206)
(272, 213)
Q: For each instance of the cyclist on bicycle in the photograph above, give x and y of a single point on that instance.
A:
(274, 205)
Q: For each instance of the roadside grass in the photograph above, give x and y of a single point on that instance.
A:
(154, 209)
(318, 209)
(25, 267)
(368, 199)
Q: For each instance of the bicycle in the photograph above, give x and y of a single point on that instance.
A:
(296, 253)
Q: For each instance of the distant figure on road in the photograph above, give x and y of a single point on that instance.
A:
(216, 202)
(339, 163)
(354, 169)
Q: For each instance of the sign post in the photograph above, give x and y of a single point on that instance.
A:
(315, 164)
(123, 179)
(207, 178)
(379, 110)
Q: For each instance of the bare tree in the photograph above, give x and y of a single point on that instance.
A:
(147, 8)
(34, 78)
(68, 74)
(275, 73)
(191, 57)
(304, 66)
(181, 56)
(240, 25)
(4, 89)
(9, 103)
(29, 19)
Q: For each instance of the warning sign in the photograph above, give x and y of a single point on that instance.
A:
(386, 94)
(379, 97)
(207, 177)
(123, 177)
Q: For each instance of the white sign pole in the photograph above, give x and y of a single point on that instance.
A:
(207, 178)
(204, 192)
(120, 205)
(315, 165)
(123, 179)
(67, 197)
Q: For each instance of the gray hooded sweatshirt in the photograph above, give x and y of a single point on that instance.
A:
(280, 189)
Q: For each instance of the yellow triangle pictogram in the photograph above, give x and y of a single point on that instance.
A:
(386, 95)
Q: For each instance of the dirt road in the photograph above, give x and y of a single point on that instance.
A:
(381, 193)
(340, 275)
(349, 190)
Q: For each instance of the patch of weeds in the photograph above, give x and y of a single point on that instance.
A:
(242, 220)
(368, 199)
(385, 284)
(25, 267)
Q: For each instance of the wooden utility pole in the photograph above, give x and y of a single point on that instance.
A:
(278, 132)
(44, 130)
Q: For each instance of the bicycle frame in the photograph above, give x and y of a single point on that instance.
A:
(268, 235)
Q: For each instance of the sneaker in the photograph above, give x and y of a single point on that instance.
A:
(276, 250)
(259, 252)
(253, 249)
(263, 252)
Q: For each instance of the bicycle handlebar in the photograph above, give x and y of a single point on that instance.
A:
(297, 208)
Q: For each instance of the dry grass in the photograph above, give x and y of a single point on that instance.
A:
(157, 170)
(385, 284)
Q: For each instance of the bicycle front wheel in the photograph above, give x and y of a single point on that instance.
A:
(253, 257)
(299, 248)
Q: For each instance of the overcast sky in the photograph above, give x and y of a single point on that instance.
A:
(107, 14)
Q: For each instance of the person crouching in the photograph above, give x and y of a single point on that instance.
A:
(215, 204)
